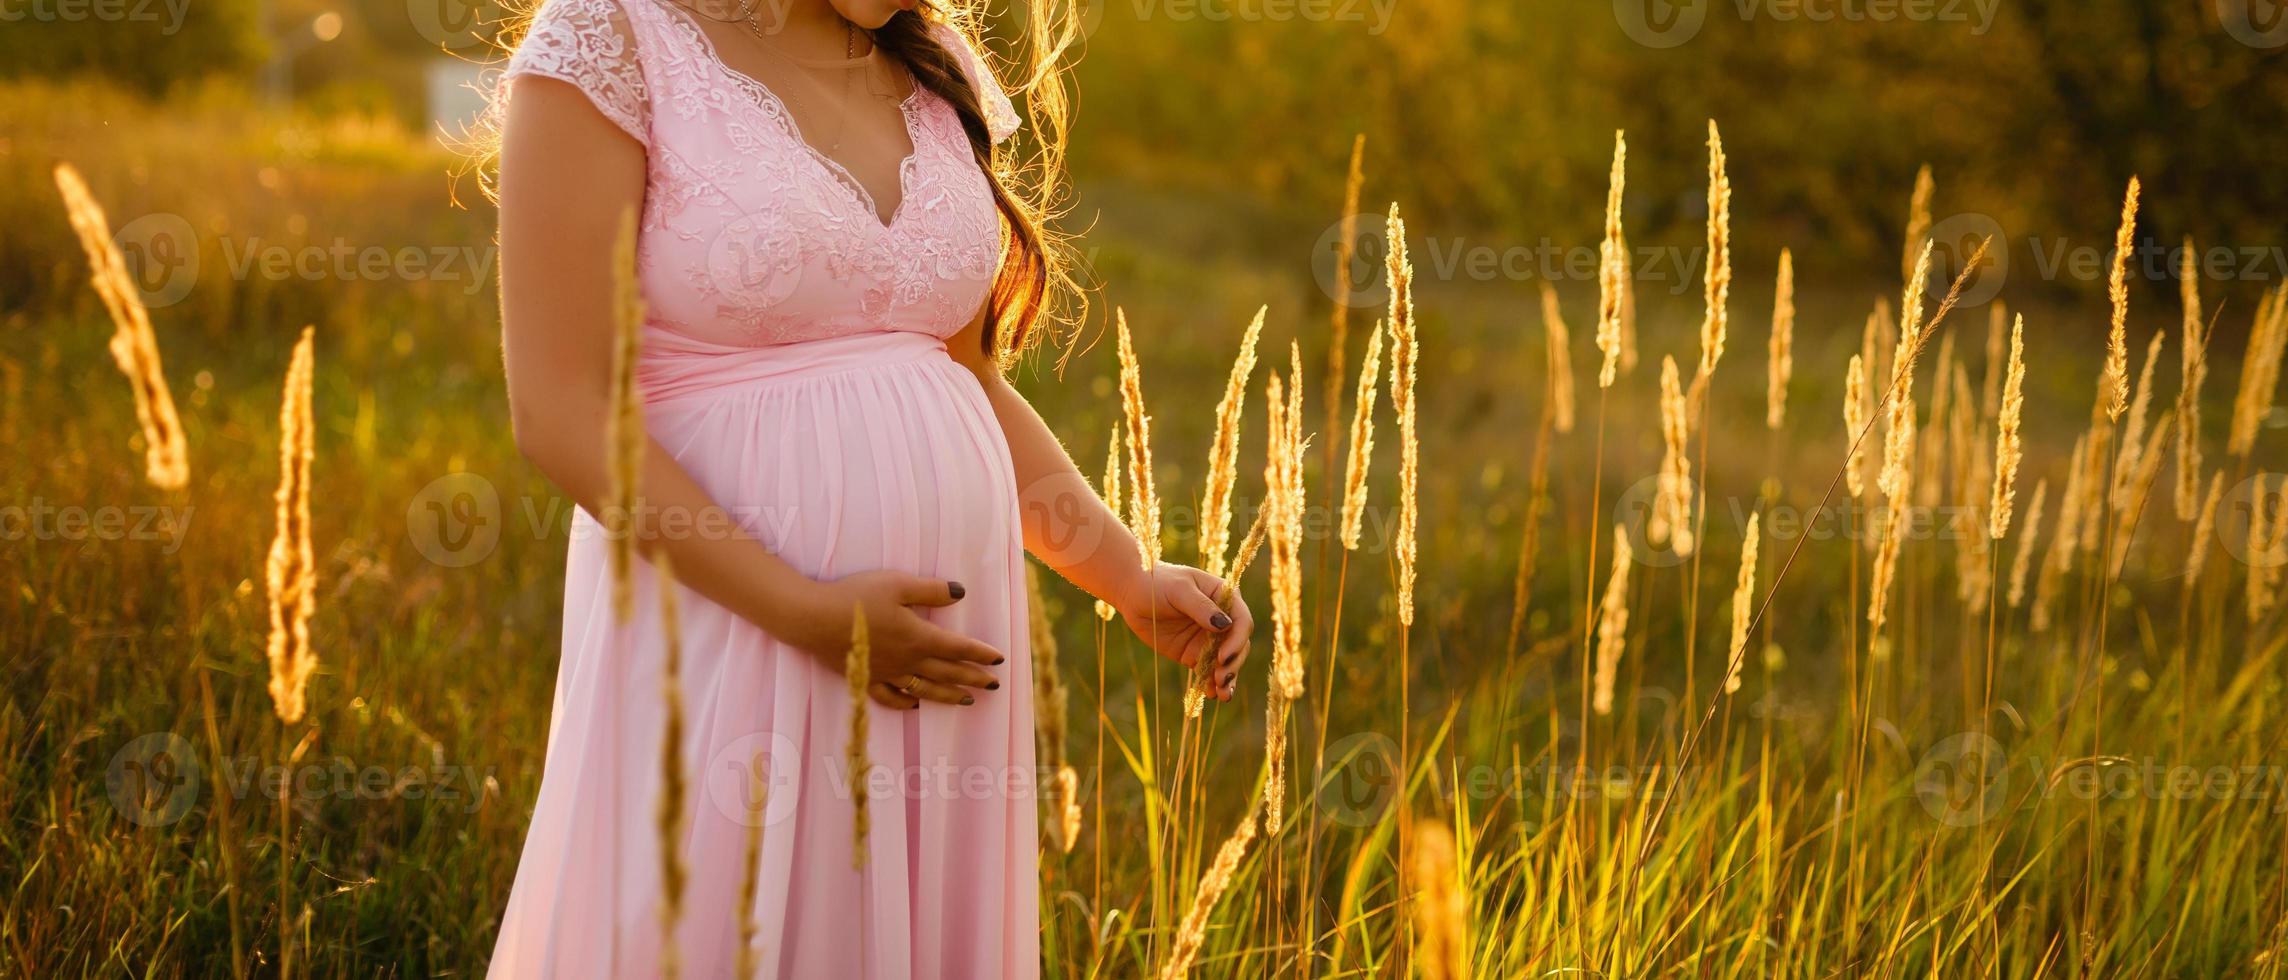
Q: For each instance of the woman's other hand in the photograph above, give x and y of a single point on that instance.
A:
(911, 659)
(1175, 610)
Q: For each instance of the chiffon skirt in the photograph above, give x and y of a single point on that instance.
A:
(842, 455)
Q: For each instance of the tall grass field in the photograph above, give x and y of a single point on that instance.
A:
(1705, 621)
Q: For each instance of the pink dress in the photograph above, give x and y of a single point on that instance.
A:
(795, 364)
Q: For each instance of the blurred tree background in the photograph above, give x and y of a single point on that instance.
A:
(1494, 121)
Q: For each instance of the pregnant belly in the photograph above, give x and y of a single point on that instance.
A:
(844, 455)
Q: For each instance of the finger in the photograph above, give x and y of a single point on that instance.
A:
(954, 673)
(929, 690)
(946, 644)
(1191, 596)
(890, 697)
(1233, 651)
(919, 590)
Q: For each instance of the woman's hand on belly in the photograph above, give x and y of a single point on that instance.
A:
(1181, 613)
(912, 660)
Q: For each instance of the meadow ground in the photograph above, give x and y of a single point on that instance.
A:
(1966, 794)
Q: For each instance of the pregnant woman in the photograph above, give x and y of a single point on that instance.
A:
(832, 247)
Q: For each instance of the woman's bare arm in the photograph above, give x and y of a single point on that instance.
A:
(1172, 607)
(567, 177)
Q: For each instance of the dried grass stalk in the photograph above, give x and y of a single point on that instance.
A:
(1442, 904)
(856, 668)
(2193, 365)
(1782, 363)
(1717, 279)
(2139, 487)
(1671, 518)
(750, 959)
(1613, 624)
(2259, 370)
(166, 455)
(1361, 459)
(1193, 932)
(1404, 354)
(292, 571)
(673, 792)
(2008, 446)
(625, 437)
(1051, 700)
(1223, 459)
(2113, 385)
(1918, 220)
(1612, 270)
(1339, 332)
(1743, 605)
(1143, 496)
(1855, 415)
(2026, 538)
(1112, 461)
(1560, 350)
(2204, 530)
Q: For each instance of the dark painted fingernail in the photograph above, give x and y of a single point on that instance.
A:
(954, 589)
(1220, 621)
(993, 685)
(966, 699)
(998, 661)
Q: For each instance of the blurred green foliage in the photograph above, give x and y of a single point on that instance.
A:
(1496, 120)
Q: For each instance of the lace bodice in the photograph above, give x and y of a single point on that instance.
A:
(749, 236)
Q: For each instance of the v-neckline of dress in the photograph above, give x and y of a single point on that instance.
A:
(764, 98)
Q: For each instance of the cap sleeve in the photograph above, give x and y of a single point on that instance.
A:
(1000, 115)
(589, 45)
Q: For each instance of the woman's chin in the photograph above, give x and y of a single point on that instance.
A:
(872, 14)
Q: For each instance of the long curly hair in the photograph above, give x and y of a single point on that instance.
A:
(1037, 292)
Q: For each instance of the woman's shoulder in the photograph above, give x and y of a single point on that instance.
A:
(590, 45)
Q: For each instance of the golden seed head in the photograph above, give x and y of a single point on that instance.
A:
(1782, 363)
(292, 571)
